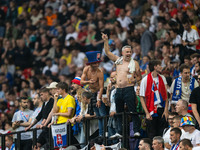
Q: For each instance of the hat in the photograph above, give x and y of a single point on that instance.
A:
(93, 57)
(77, 80)
(186, 121)
(52, 85)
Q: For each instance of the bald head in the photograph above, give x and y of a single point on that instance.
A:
(113, 74)
(113, 77)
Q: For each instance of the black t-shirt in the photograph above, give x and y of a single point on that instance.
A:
(195, 98)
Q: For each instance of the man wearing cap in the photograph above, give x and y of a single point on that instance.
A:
(182, 109)
(77, 91)
(127, 70)
(93, 76)
(191, 133)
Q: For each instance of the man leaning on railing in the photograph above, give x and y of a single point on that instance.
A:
(20, 121)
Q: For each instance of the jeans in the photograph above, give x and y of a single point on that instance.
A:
(127, 95)
(82, 137)
(100, 112)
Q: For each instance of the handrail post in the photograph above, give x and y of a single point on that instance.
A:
(34, 136)
(67, 134)
(18, 140)
(123, 128)
(51, 146)
(86, 130)
(70, 134)
(126, 125)
(105, 134)
(3, 145)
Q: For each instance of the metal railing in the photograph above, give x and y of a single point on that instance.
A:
(124, 139)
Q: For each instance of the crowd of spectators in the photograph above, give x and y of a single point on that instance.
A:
(45, 41)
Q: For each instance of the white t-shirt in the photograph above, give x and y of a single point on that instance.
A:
(193, 137)
(166, 137)
(191, 37)
(196, 148)
(143, 84)
(23, 116)
(69, 35)
(125, 22)
(53, 69)
(176, 40)
(78, 61)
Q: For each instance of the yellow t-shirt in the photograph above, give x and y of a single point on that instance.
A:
(68, 59)
(64, 104)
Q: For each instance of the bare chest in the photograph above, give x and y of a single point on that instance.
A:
(122, 69)
(92, 75)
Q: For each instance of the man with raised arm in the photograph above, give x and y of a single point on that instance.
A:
(128, 71)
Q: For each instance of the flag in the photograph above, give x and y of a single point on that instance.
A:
(59, 133)
(114, 147)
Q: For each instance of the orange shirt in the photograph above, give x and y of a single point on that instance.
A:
(50, 19)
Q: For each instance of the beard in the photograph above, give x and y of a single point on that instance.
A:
(113, 82)
(72, 91)
(25, 107)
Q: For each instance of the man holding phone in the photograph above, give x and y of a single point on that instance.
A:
(20, 121)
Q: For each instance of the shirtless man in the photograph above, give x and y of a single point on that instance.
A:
(93, 76)
(128, 71)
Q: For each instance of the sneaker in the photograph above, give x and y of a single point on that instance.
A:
(137, 134)
(116, 135)
(119, 135)
(113, 136)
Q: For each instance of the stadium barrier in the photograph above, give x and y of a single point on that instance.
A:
(124, 140)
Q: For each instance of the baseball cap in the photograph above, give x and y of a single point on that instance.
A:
(52, 85)
(186, 121)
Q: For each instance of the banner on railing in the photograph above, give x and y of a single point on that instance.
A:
(59, 133)
(114, 147)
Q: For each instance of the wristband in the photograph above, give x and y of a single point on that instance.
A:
(98, 99)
